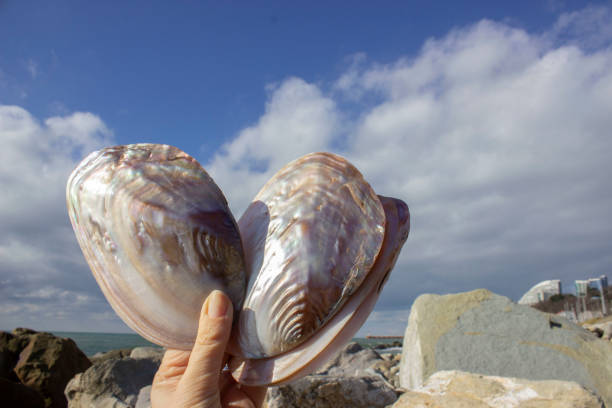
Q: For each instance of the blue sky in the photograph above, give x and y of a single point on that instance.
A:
(491, 120)
(196, 72)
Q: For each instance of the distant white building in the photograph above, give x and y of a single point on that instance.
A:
(540, 292)
(582, 286)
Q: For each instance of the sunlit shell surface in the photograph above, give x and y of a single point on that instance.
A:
(158, 236)
(310, 236)
(341, 328)
(303, 267)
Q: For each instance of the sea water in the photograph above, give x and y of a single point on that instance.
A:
(92, 343)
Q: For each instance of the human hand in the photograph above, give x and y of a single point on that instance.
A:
(195, 378)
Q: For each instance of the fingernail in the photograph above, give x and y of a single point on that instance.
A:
(217, 304)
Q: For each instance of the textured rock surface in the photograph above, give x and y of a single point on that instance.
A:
(110, 355)
(47, 363)
(24, 332)
(353, 360)
(455, 389)
(144, 397)
(18, 395)
(356, 377)
(153, 353)
(389, 368)
(111, 383)
(603, 330)
(9, 355)
(357, 361)
(11, 345)
(324, 391)
(484, 333)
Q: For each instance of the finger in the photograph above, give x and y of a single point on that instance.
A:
(172, 367)
(167, 377)
(201, 378)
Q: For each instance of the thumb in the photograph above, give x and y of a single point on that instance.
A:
(200, 382)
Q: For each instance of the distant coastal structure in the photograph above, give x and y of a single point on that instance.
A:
(600, 284)
(582, 286)
(384, 337)
(541, 292)
(591, 299)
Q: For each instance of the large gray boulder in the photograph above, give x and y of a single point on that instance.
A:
(456, 389)
(481, 332)
(111, 383)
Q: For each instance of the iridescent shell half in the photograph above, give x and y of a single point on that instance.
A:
(342, 327)
(310, 236)
(158, 236)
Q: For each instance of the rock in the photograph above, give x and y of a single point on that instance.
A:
(356, 377)
(484, 333)
(351, 348)
(9, 355)
(25, 332)
(322, 391)
(155, 353)
(353, 360)
(357, 361)
(603, 330)
(11, 345)
(111, 383)
(456, 389)
(79, 399)
(383, 346)
(14, 394)
(387, 356)
(110, 355)
(144, 398)
(47, 363)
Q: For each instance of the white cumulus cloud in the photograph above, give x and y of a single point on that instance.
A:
(43, 279)
(497, 138)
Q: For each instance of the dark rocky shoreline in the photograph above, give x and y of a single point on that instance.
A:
(35, 367)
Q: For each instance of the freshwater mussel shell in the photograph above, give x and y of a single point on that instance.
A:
(310, 236)
(158, 236)
(342, 327)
